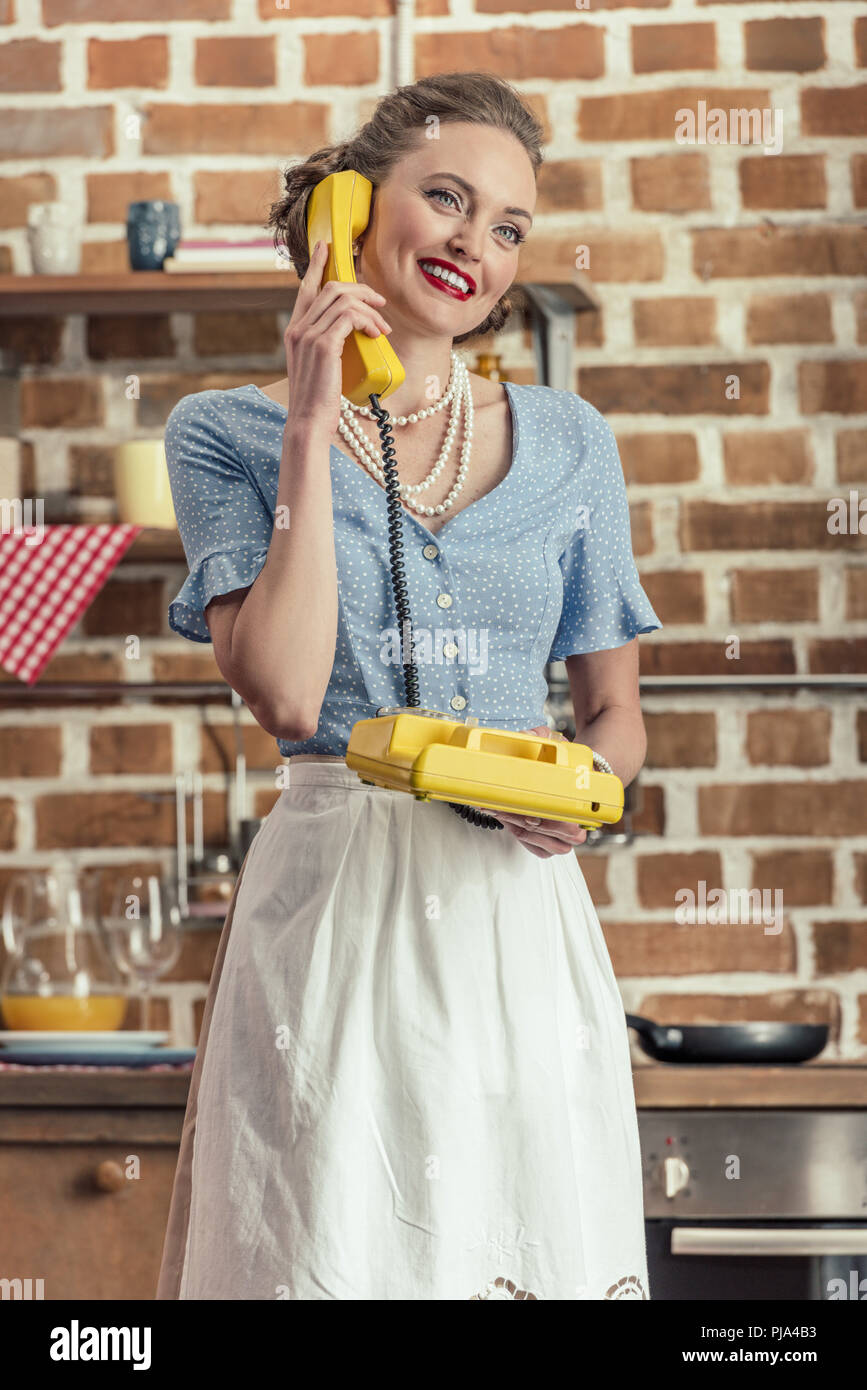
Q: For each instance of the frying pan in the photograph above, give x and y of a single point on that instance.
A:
(729, 1042)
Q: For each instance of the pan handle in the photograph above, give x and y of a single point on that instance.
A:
(645, 1026)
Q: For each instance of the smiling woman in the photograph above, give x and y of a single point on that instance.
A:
(413, 1076)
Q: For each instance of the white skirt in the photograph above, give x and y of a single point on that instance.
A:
(415, 1082)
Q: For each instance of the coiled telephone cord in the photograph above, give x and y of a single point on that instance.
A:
(398, 582)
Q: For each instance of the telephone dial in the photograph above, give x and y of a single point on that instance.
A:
(408, 748)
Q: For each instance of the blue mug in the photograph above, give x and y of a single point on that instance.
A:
(153, 230)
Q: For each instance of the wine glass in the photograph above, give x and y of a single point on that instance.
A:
(143, 931)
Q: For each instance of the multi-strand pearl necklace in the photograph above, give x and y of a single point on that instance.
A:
(460, 395)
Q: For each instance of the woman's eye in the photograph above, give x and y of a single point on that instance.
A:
(434, 192)
(447, 193)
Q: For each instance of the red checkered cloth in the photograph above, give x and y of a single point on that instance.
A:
(46, 582)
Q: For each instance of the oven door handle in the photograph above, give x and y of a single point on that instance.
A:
(764, 1240)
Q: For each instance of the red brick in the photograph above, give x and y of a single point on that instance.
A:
(759, 525)
(676, 321)
(776, 250)
(659, 456)
(858, 165)
(670, 948)
(776, 1006)
(235, 195)
(774, 596)
(757, 458)
(109, 195)
(611, 256)
(660, 877)
(677, 389)
(670, 182)
(29, 65)
(285, 127)
(856, 595)
(236, 60)
(838, 388)
(569, 185)
(129, 748)
(840, 946)
(68, 403)
(653, 115)
(784, 45)
(135, 336)
(783, 181)
(681, 740)
(814, 808)
(141, 62)
(851, 446)
(806, 875)
(57, 131)
(679, 594)
(568, 51)
(113, 819)
(18, 192)
(30, 752)
(349, 60)
(837, 655)
(789, 318)
(670, 47)
(130, 11)
(789, 737)
(834, 111)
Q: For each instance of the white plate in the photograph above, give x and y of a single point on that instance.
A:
(113, 1041)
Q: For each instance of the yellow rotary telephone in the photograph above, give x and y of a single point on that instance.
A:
(422, 751)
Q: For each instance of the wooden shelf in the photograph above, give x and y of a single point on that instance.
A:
(153, 545)
(159, 292)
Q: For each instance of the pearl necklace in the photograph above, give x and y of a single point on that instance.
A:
(355, 436)
(456, 362)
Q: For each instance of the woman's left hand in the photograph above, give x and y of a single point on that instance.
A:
(541, 837)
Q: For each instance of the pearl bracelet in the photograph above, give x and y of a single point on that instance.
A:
(603, 764)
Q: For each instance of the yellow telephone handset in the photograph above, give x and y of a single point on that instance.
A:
(338, 212)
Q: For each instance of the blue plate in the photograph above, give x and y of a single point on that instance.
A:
(97, 1056)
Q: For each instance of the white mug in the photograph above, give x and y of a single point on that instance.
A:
(54, 240)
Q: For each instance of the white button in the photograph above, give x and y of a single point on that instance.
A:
(444, 600)
(430, 552)
(450, 649)
(458, 702)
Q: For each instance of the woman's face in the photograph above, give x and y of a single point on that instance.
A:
(466, 198)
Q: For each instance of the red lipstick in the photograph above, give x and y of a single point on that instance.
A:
(443, 285)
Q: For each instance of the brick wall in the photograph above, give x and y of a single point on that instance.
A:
(728, 355)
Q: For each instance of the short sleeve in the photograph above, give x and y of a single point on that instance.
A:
(604, 604)
(222, 517)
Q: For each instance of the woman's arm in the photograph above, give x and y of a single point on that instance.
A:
(276, 648)
(607, 704)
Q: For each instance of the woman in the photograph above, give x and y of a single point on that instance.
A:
(413, 1076)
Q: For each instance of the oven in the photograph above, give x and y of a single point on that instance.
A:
(755, 1204)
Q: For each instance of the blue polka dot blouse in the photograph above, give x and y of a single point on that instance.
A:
(539, 568)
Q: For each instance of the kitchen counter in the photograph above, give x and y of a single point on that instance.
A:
(658, 1086)
(805, 1085)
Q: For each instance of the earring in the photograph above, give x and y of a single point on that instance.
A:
(355, 248)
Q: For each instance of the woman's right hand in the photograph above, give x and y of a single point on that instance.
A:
(322, 319)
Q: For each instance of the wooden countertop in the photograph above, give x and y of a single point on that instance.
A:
(658, 1086)
(813, 1085)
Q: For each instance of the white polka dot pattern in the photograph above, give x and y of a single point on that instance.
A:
(539, 568)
